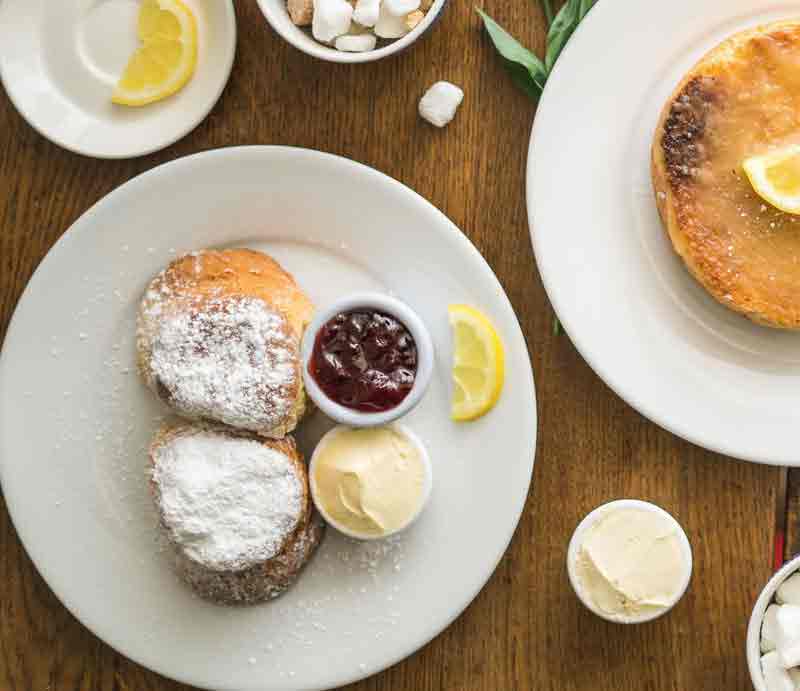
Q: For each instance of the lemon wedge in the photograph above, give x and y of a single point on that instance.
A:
(776, 178)
(166, 60)
(478, 363)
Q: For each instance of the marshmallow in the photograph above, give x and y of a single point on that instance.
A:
(789, 591)
(390, 25)
(400, 8)
(367, 12)
(331, 19)
(787, 635)
(769, 629)
(776, 678)
(440, 103)
(355, 44)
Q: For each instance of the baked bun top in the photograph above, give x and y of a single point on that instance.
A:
(740, 100)
(244, 272)
(227, 501)
(213, 347)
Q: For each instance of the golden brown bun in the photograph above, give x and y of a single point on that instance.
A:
(259, 580)
(742, 99)
(242, 272)
(233, 297)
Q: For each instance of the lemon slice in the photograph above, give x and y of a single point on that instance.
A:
(478, 363)
(166, 60)
(776, 178)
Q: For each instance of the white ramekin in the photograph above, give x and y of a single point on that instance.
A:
(577, 542)
(425, 358)
(757, 617)
(277, 15)
(426, 490)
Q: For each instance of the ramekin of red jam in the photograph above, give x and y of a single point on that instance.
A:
(367, 359)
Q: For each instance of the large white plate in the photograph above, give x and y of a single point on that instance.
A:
(60, 60)
(75, 422)
(626, 300)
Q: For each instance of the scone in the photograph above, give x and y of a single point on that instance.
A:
(742, 99)
(235, 508)
(218, 340)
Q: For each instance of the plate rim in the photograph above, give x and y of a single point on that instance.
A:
(230, 12)
(67, 236)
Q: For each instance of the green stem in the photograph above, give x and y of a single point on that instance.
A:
(548, 11)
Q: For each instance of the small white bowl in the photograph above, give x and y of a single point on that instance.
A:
(577, 542)
(425, 358)
(426, 490)
(757, 617)
(300, 37)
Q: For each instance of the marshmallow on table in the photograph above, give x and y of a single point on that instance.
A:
(440, 103)
(355, 44)
(390, 25)
(789, 591)
(367, 12)
(400, 8)
(331, 19)
(787, 635)
(776, 678)
(769, 629)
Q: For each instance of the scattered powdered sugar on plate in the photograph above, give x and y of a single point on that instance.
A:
(232, 359)
(227, 502)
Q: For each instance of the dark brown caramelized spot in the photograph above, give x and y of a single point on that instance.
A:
(684, 128)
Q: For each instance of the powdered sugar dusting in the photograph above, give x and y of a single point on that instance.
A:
(231, 359)
(227, 503)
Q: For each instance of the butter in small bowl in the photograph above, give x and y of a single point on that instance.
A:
(629, 561)
(370, 483)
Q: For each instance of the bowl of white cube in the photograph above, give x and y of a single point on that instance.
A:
(773, 635)
(351, 30)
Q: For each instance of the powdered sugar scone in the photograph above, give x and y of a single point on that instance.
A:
(218, 339)
(235, 507)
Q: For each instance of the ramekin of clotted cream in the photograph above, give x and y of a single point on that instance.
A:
(629, 561)
(370, 483)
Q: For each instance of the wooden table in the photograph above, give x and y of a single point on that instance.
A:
(526, 629)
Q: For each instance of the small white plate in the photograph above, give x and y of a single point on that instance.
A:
(60, 60)
(622, 294)
(75, 422)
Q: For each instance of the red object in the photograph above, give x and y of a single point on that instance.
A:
(364, 360)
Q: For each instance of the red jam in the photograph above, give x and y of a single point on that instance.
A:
(364, 360)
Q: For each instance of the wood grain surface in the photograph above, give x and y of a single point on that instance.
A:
(525, 630)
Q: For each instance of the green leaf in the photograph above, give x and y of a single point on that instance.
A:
(564, 24)
(586, 5)
(522, 78)
(547, 8)
(527, 70)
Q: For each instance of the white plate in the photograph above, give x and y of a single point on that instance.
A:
(60, 60)
(624, 297)
(75, 422)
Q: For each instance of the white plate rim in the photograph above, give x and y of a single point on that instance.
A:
(458, 236)
(190, 126)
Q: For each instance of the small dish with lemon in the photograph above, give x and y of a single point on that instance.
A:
(80, 72)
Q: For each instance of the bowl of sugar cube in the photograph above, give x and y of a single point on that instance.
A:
(351, 30)
(773, 635)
